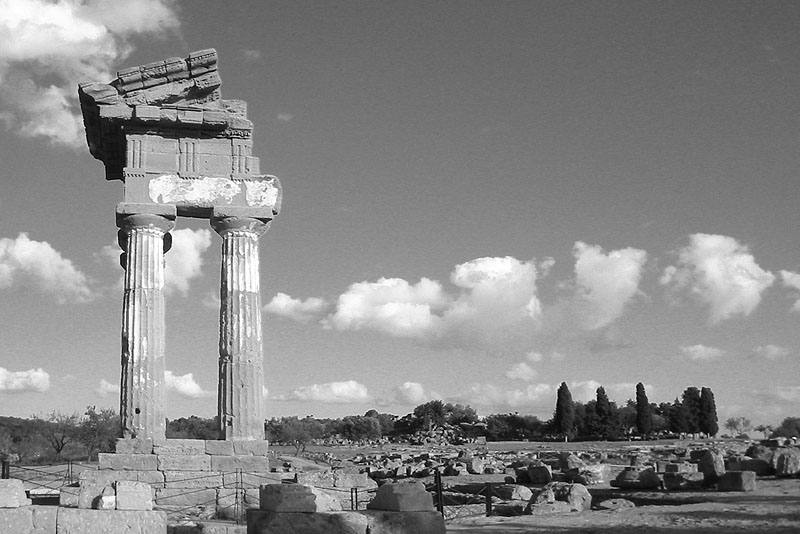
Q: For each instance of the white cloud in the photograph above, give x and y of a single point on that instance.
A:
(285, 117)
(184, 261)
(606, 283)
(19, 381)
(412, 393)
(534, 357)
(792, 280)
(106, 388)
(348, 391)
(38, 265)
(495, 303)
(719, 272)
(534, 397)
(521, 371)
(46, 47)
(249, 54)
(298, 310)
(702, 352)
(770, 352)
(185, 385)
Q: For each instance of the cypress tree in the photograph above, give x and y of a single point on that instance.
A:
(708, 413)
(644, 415)
(565, 411)
(691, 401)
(678, 417)
(603, 411)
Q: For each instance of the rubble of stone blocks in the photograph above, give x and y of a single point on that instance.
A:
(298, 508)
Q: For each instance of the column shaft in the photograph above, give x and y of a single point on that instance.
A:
(241, 378)
(142, 391)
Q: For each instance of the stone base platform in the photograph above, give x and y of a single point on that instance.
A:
(355, 522)
(52, 520)
(212, 478)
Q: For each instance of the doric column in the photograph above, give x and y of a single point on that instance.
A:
(241, 375)
(144, 237)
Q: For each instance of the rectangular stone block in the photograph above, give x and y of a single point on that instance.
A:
(91, 492)
(258, 464)
(68, 496)
(44, 519)
(220, 447)
(181, 446)
(184, 462)
(214, 147)
(77, 521)
(253, 480)
(185, 496)
(133, 462)
(255, 447)
(383, 522)
(252, 165)
(164, 163)
(109, 477)
(192, 479)
(14, 520)
(134, 446)
(737, 481)
(187, 116)
(215, 118)
(134, 495)
(213, 165)
(12, 494)
(146, 113)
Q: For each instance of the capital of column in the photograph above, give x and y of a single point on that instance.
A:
(255, 221)
(157, 216)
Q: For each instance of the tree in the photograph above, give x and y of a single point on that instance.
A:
(359, 427)
(512, 427)
(456, 414)
(644, 414)
(604, 413)
(294, 431)
(738, 425)
(430, 414)
(564, 417)
(193, 427)
(99, 430)
(708, 421)
(678, 417)
(58, 429)
(691, 401)
(789, 428)
(766, 430)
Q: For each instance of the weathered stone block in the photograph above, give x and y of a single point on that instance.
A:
(44, 519)
(296, 498)
(16, 520)
(405, 497)
(184, 462)
(253, 480)
(540, 474)
(77, 521)
(712, 465)
(384, 522)
(759, 466)
(192, 479)
(637, 478)
(258, 464)
(12, 494)
(134, 446)
(122, 462)
(146, 113)
(737, 481)
(219, 447)
(91, 493)
(682, 467)
(267, 522)
(786, 461)
(164, 163)
(251, 447)
(134, 495)
(213, 165)
(185, 497)
(181, 446)
(683, 481)
(187, 116)
(68, 496)
(575, 495)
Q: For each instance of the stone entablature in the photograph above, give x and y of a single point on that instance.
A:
(165, 131)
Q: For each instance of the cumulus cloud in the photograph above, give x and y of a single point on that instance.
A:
(19, 381)
(46, 46)
(495, 301)
(521, 371)
(36, 264)
(106, 388)
(345, 392)
(770, 352)
(702, 352)
(249, 54)
(298, 310)
(792, 280)
(184, 261)
(185, 385)
(412, 393)
(719, 272)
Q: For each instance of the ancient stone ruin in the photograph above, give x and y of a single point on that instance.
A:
(164, 130)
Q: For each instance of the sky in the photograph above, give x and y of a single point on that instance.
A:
(482, 200)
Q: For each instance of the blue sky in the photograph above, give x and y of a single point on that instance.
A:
(481, 200)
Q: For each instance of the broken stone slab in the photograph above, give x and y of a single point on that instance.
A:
(737, 481)
(13, 520)
(180, 446)
(134, 446)
(44, 519)
(296, 498)
(712, 465)
(12, 494)
(402, 497)
(131, 462)
(539, 474)
(635, 477)
(81, 521)
(786, 461)
(575, 495)
(69, 496)
(615, 504)
(356, 522)
(684, 481)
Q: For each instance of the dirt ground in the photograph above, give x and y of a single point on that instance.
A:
(773, 508)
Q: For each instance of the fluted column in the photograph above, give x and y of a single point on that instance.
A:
(241, 375)
(144, 237)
